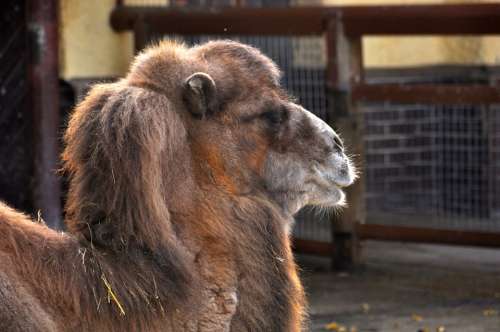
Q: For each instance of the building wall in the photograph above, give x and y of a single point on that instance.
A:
(88, 45)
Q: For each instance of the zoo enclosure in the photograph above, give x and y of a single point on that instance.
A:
(451, 126)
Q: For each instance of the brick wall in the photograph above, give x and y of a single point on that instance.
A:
(400, 156)
(440, 163)
(427, 159)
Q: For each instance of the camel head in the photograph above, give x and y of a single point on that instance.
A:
(248, 134)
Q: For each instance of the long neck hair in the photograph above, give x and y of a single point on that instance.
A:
(120, 143)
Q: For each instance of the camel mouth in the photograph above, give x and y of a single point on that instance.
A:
(340, 179)
(340, 183)
(328, 186)
(326, 192)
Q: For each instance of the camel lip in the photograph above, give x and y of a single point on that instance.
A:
(328, 181)
(327, 178)
(341, 185)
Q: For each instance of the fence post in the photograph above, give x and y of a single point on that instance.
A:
(142, 34)
(344, 69)
(44, 103)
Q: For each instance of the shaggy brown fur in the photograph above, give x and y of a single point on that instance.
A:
(170, 224)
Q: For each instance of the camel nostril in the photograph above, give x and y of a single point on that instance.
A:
(337, 142)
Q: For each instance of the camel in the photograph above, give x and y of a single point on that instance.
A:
(184, 179)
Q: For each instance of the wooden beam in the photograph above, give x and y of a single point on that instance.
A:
(242, 21)
(142, 34)
(358, 20)
(427, 93)
(427, 235)
(422, 19)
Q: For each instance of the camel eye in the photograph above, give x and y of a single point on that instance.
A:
(274, 117)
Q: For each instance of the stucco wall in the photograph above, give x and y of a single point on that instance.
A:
(88, 45)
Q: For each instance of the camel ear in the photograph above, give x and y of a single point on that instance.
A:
(200, 94)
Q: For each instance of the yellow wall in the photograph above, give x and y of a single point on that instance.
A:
(415, 51)
(90, 48)
(88, 45)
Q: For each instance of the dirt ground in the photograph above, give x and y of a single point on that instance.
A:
(407, 287)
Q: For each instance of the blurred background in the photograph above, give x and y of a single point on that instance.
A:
(413, 87)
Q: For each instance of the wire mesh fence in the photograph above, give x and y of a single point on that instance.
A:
(433, 166)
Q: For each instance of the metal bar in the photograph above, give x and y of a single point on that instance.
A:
(44, 102)
(427, 235)
(427, 93)
(313, 247)
(238, 20)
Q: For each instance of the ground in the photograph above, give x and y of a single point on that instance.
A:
(407, 287)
